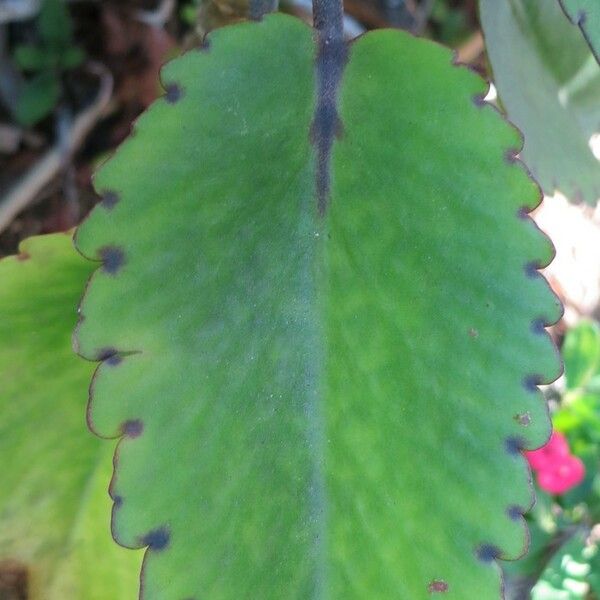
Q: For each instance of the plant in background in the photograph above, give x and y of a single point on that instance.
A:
(46, 60)
(548, 82)
(55, 539)
(320, 328)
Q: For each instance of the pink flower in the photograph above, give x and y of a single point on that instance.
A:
(562, 475)
(555, 449)
(557, 469)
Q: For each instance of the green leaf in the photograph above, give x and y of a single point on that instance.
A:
(54, 24)
(581, 354)
(38, 98)
(319, 397)
(53, 501)
(586, 15)
(549, 84)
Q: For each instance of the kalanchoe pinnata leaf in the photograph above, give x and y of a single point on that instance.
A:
(326, 372)
(549, 84)
(54, 528)
(586, 15)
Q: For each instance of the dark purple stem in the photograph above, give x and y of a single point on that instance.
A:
(331, 59)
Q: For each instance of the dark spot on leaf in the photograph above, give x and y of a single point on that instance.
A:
(23, 256)
(14, 580)
(581, 17)
(157, 539)
(133, 428)
(514, 512)
(488, 553)
(479, 100)
(173, 93)
(114, 360)
(109, 199)
(473, 332)
(112, 258)
(532, 269)
(118, 501)
(531, 382)
(538, 325)
(106, 354)
(523, 419)
(523, 212)
(510, 156)
(514, 445)
(204, 45)
(437, 586)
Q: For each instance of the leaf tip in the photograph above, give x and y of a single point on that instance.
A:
(113, 258)
(488, 553)
(132, 428)
(532, 381)
(514, 445)
(157, 539)
(109, 199)
(174, 92)
(515, 513)
(107, 355)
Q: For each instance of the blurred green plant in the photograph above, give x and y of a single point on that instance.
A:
(450, 23)
(53, 53)
(188, 12)
(572, 573)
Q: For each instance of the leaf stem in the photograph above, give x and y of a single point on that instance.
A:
(328, 18)
(259, 8)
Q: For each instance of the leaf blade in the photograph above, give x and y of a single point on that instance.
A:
(253, 278)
